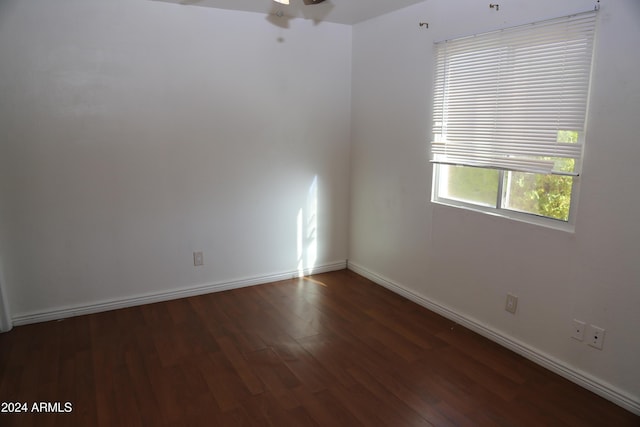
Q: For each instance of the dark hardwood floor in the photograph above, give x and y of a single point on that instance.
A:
(329, 350)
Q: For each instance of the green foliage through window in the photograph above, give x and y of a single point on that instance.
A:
(538, 194)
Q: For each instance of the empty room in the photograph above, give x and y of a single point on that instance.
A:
(322, 213)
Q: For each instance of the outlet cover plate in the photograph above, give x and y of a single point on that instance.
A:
(512, 303)
(198, 259)
(578, 329)
(595, 336)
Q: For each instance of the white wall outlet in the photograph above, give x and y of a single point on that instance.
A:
(511, 304)
(595, 336)
(578, 329)
(198, 259)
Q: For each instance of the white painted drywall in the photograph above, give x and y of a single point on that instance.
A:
(469, 261)
(5, 314)
(135, 132)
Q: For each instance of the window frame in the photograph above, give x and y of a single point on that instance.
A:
(499, 209)
(511, 214)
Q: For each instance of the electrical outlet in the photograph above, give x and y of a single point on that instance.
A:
(198, 259)
(595, 337)
(511, 304)
(578, 330)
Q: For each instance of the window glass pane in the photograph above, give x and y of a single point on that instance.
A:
(474, 185)
(545, 195)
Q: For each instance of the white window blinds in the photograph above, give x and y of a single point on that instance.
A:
(502, 98)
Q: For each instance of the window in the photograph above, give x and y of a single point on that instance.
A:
(509, 118)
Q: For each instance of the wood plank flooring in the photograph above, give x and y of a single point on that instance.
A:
(329, 350)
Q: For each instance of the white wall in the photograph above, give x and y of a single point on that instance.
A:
(5, 314)
(465, 262)
(134, 132)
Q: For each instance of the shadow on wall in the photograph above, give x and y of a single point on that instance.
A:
(307, 231)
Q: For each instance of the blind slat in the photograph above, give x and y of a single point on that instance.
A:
(501, 98)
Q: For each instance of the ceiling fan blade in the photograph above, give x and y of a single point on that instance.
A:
(310, 2)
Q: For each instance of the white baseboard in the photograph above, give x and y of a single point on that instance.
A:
(78, 310)
(599, 387)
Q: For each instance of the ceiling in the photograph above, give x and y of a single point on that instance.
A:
(338, 11)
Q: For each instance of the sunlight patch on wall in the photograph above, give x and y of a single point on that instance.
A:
(307, 231)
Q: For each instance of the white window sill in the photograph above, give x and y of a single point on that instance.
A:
(554, 224)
